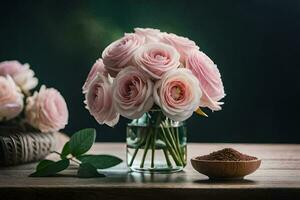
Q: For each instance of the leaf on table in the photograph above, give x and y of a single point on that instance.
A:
(44, 163)
(49, 168)
(66, 151)
(100, 161)
(82, 141)
(87, 170)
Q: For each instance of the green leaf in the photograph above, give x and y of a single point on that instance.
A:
(48, 169)
(100, 161)
(82, 141)
(66, 151)
(44, 163)
(87, 170)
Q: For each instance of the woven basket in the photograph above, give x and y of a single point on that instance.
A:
(18, 146)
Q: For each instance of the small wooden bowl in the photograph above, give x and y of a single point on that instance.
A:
(215, 169)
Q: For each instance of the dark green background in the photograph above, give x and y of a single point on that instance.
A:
(254, 43)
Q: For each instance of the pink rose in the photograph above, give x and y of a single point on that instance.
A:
(182, 44)
(156, 59)
(150, 34)
(178, 94)
(99, 100)
(132, 93)
(10, 68)
(46, 110)
(22, 74)
(11, 98)
(118, 54)
(209, 79)
(98, 67)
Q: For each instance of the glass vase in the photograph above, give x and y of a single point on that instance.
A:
(156, 144)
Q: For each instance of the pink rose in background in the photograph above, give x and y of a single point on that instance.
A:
(182, 44)
(150, 34)
(156, 59)
(10, 68)
(119, 53)
(178, 94)
(209, 79)
(21, 74)
(132, 93)
(99, 101)
(98, 67)
(47, 110)
(11, 98)
(26, 80)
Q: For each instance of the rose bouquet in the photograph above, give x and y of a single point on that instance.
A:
(45, 110)
(158, 80)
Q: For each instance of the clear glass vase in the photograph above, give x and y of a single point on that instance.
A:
(156, 144)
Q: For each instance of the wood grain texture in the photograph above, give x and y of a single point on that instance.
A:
(277, 178)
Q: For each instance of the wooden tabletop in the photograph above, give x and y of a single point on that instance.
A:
(277, 178)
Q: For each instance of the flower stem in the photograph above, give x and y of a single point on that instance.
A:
(167, 157)
(137, 149)
(173, 142)
(153, 139)
(153, 148)
(56, 152)
(71, 158)
(75, 161)
(133, 156)
(176, 143)
(170, 148)
(146, 149)
(181, 152)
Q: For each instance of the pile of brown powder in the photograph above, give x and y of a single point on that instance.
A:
(227, 154)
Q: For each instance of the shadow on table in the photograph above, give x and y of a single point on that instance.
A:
(135, 177)
(233, 182)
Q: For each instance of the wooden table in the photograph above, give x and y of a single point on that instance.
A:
(277, 178)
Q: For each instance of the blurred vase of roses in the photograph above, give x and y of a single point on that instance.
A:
(158, 80)
(27, 121)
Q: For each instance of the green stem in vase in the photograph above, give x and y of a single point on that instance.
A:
(176, 136)
(171, 137)
(153, 148)
(179, 147)
(172, 141)
(146, 148)
(133, 156)
(175, 140)
(167, 158)
(136, 150)
(153, 139)
(170, 148)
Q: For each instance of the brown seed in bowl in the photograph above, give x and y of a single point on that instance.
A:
(226, 164)
(227, 154)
